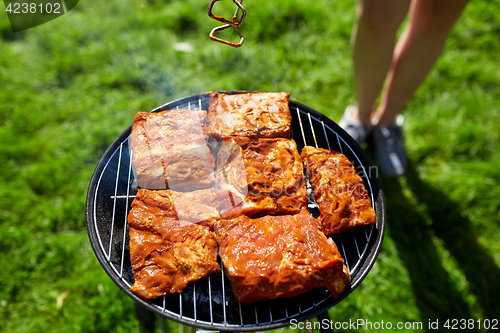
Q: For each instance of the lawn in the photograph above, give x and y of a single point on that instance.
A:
(68, 88)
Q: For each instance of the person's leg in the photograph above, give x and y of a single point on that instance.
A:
(373, 41)
(416, 52)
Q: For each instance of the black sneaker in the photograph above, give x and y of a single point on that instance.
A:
(354, 128)
(390, 152)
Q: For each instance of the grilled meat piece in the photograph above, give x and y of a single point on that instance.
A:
(169, 150)
(342, 198)
(260, 176)
(167, 253)
(251, 115)
(279, 256)
(196, 206)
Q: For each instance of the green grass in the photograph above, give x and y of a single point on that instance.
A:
(69, 87)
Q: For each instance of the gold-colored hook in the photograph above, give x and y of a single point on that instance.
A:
(220, 40)
(233, 23)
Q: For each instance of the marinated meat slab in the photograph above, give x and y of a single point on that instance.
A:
(256, 177)
(279, 256)
(343, 201)
(166, 253)
(189, 168)
(251, 115)
(169, 150)
(196, 206)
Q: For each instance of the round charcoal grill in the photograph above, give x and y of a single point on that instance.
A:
(209, 303)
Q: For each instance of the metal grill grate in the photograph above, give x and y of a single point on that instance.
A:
(209, 303)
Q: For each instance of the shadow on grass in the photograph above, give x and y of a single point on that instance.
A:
(436, 295)
(460, 240)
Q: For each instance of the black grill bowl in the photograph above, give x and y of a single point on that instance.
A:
(209, 303)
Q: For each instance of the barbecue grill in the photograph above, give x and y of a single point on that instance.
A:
(209, 303)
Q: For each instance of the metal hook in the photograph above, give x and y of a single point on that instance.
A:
(233, 23)
(220, 40)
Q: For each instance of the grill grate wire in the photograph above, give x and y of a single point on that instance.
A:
(124, 191)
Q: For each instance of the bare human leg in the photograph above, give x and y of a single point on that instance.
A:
(416, 52)
(373, 41)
